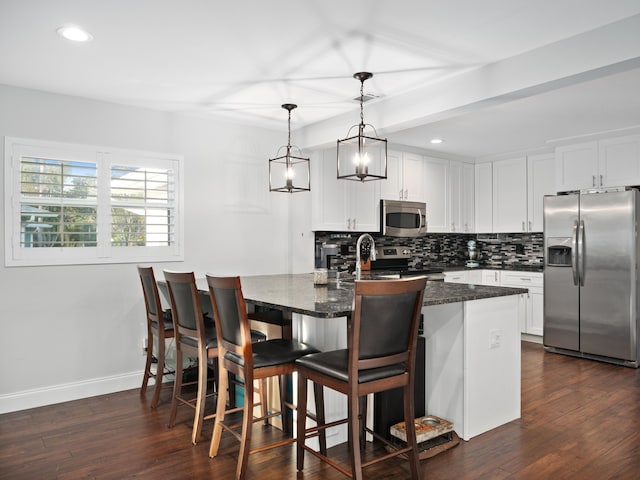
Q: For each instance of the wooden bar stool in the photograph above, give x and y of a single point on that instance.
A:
(159, 328)
(381, 353)
(249, 361)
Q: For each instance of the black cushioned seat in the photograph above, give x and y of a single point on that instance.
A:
(273, 352)
(382, 341)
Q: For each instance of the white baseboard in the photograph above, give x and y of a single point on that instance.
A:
(40, 397)
(527, 337)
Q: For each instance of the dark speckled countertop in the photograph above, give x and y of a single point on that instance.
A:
(297, 293)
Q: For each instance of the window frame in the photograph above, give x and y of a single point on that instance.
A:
(104, 157)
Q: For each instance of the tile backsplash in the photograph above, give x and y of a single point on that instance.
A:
(449, 249)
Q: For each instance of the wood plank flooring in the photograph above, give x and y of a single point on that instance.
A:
(580, 420)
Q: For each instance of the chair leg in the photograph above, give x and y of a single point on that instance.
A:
(354, 434)
(362, 417)
(198, 418)
(264, 403)
(177, 387)
(286, 427)
(302, 420)
(247, 422)
(409, 419)
(147, 367)
(318, 394)
(159, 370)
(220, 411)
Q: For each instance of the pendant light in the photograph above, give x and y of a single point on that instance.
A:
(362, 157)
(289, 171)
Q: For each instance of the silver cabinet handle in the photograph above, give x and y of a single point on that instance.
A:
(406, 194)
(601, 180)
(354, 224)
(400, 194)
(593, 181)
(348, 224)
(453, 227)
(495, 276)
(525, 279)
(530, 225)
(523, 228)
(466, 227)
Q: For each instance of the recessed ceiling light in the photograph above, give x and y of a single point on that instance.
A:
(75, 34)
(436, 140)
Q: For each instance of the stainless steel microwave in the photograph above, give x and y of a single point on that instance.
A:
(400, 218)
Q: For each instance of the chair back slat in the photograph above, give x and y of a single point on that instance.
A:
(185, 303)
(232, 323)
(151, 295)
(384, 328)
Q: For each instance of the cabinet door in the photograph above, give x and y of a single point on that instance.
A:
(490, 277)
(364, 206)
(413, 177)
(535, 324)
(483, 193)
(328, 195)
(510, 195)
(437, 194)
(392, 188)
(619, 161)
(456, 277)
(577, 166)
(468, 198)
(541, 181)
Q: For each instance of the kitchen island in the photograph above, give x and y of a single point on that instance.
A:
(472, 332)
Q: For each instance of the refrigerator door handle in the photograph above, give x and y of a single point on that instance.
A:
(574, 253)
(581, 255)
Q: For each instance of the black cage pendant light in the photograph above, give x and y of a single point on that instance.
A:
(362, 157)
(289, 173)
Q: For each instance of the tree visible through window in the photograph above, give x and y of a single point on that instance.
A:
(103, 205)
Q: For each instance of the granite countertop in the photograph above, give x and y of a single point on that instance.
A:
(298, 294)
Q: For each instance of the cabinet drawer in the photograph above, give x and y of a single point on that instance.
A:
(521, 279)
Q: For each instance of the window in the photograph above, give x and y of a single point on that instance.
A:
(79, 204)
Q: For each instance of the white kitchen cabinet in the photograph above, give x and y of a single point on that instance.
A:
(490, 277)
(532, 322)
(456, 277)
(341, 205)
(437, 194)
(541, 181)
(483, 194)
(510, 195)
(405, 177)
(610, 162)
(461, 196)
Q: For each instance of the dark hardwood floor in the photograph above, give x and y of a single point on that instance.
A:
(580, 420)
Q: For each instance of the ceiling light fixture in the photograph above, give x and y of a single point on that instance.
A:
(436, 141)
(362, 157)
(75, 34)
(288, 167)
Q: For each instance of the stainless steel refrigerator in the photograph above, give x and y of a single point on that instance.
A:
(590, 275)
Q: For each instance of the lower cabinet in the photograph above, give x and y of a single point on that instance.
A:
(532, 321)
(534, 300)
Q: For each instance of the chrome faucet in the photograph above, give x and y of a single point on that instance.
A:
(358, 245)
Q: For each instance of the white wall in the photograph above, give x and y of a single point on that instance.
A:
(74, 331)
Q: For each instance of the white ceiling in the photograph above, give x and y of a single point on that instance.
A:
(243, 59)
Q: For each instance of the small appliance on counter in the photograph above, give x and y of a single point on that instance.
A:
(473, 254)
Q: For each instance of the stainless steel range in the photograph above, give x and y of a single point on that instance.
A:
(397, 260)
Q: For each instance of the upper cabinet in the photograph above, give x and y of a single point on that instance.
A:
(437, 194)
(483, 191)
(461, 197)
(610, 162)
(509, 193)
(405, 177)
(341, 205)
(540, 182)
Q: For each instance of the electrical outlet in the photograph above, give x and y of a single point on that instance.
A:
(144, 346)
(495, 338)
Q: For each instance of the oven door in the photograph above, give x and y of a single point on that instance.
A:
(403, 219)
